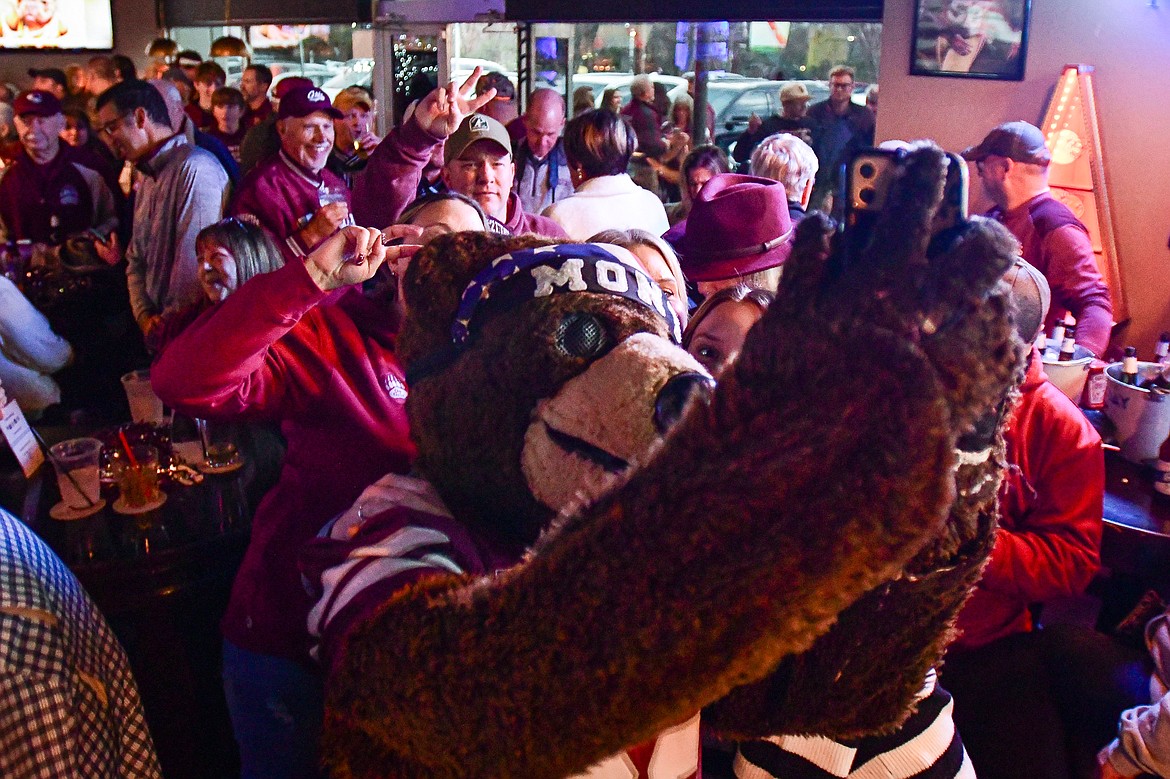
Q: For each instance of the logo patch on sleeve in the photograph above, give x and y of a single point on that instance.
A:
(395, 387)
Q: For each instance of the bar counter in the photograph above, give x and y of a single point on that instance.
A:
(162, 580)
(1136, 537)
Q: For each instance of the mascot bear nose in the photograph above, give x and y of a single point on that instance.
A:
(672, 399)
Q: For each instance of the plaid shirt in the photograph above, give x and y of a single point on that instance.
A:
(68, 703)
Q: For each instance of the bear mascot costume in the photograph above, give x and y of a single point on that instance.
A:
(600, 547)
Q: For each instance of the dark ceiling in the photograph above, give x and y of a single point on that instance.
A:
(693, 10)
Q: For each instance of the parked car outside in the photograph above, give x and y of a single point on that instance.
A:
(735, 100)
(355, 72)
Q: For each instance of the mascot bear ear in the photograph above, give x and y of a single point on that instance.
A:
(434, 283)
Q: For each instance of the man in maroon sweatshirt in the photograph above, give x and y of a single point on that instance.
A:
(1012, 163)
(291, 194)
(477, 158)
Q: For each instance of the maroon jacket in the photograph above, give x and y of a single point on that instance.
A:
(647, 126)
(282, 196)
(254, 116)
(1056, 242)
(519, 221)
(323, 366)
(201, 118)
(390, 179)
(1049, 540)
(70, 187)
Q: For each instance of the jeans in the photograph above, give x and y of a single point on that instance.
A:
(276, 707)
(1040, 704)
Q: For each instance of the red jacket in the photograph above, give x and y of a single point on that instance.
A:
(323, 366)
(1049, 539)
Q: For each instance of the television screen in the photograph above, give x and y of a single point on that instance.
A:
(56, 24)
(284, 36)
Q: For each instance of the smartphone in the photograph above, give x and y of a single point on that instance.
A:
(867, 179)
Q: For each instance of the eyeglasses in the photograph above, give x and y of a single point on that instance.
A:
(110, 127)
(841, 85)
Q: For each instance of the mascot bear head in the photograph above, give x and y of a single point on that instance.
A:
(537, 374)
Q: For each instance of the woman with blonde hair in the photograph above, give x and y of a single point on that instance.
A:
(717, 331)
(657, 259)
(229, 253)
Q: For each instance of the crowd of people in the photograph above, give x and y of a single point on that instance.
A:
(242, 216)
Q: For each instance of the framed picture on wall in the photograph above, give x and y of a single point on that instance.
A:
(970, 38)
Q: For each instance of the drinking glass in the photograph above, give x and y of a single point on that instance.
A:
(219, 450)
(138, 478)
(186, 441)
(76, 464)
(145, 406)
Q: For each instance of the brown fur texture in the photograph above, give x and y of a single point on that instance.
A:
(802, 496)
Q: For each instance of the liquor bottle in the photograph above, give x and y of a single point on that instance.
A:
(1129, 366)
(1042, 343)
(1068, 346)
(1162, 350)
(1057, 335)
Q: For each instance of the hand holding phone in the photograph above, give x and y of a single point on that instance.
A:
(868, 176)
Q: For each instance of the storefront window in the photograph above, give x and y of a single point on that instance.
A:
(332, 56)
(754, 49)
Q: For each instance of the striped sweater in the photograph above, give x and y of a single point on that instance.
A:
(927, 746)
(399, 533)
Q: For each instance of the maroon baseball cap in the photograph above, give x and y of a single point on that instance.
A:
(37, 102)
(302, 101)
(737, 225)
(286, 85)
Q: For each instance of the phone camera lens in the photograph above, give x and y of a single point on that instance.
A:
(867, 171)
(866, 196)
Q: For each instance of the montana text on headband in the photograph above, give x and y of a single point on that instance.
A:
(548, 270)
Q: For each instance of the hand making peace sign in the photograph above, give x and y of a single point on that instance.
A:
(441, 112)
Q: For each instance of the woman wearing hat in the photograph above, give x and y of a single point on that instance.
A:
(738, 231)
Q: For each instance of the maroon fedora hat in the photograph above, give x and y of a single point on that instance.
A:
(737, 225)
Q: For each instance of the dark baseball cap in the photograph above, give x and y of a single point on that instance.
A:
(178, 75)
(56, 74)
(477, 127)
(36, 102)
(1017, 141)
(188, 58)
(302, 101)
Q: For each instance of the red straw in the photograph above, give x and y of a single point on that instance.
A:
(126, 446)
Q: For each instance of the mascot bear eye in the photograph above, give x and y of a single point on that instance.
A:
(581, 335)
